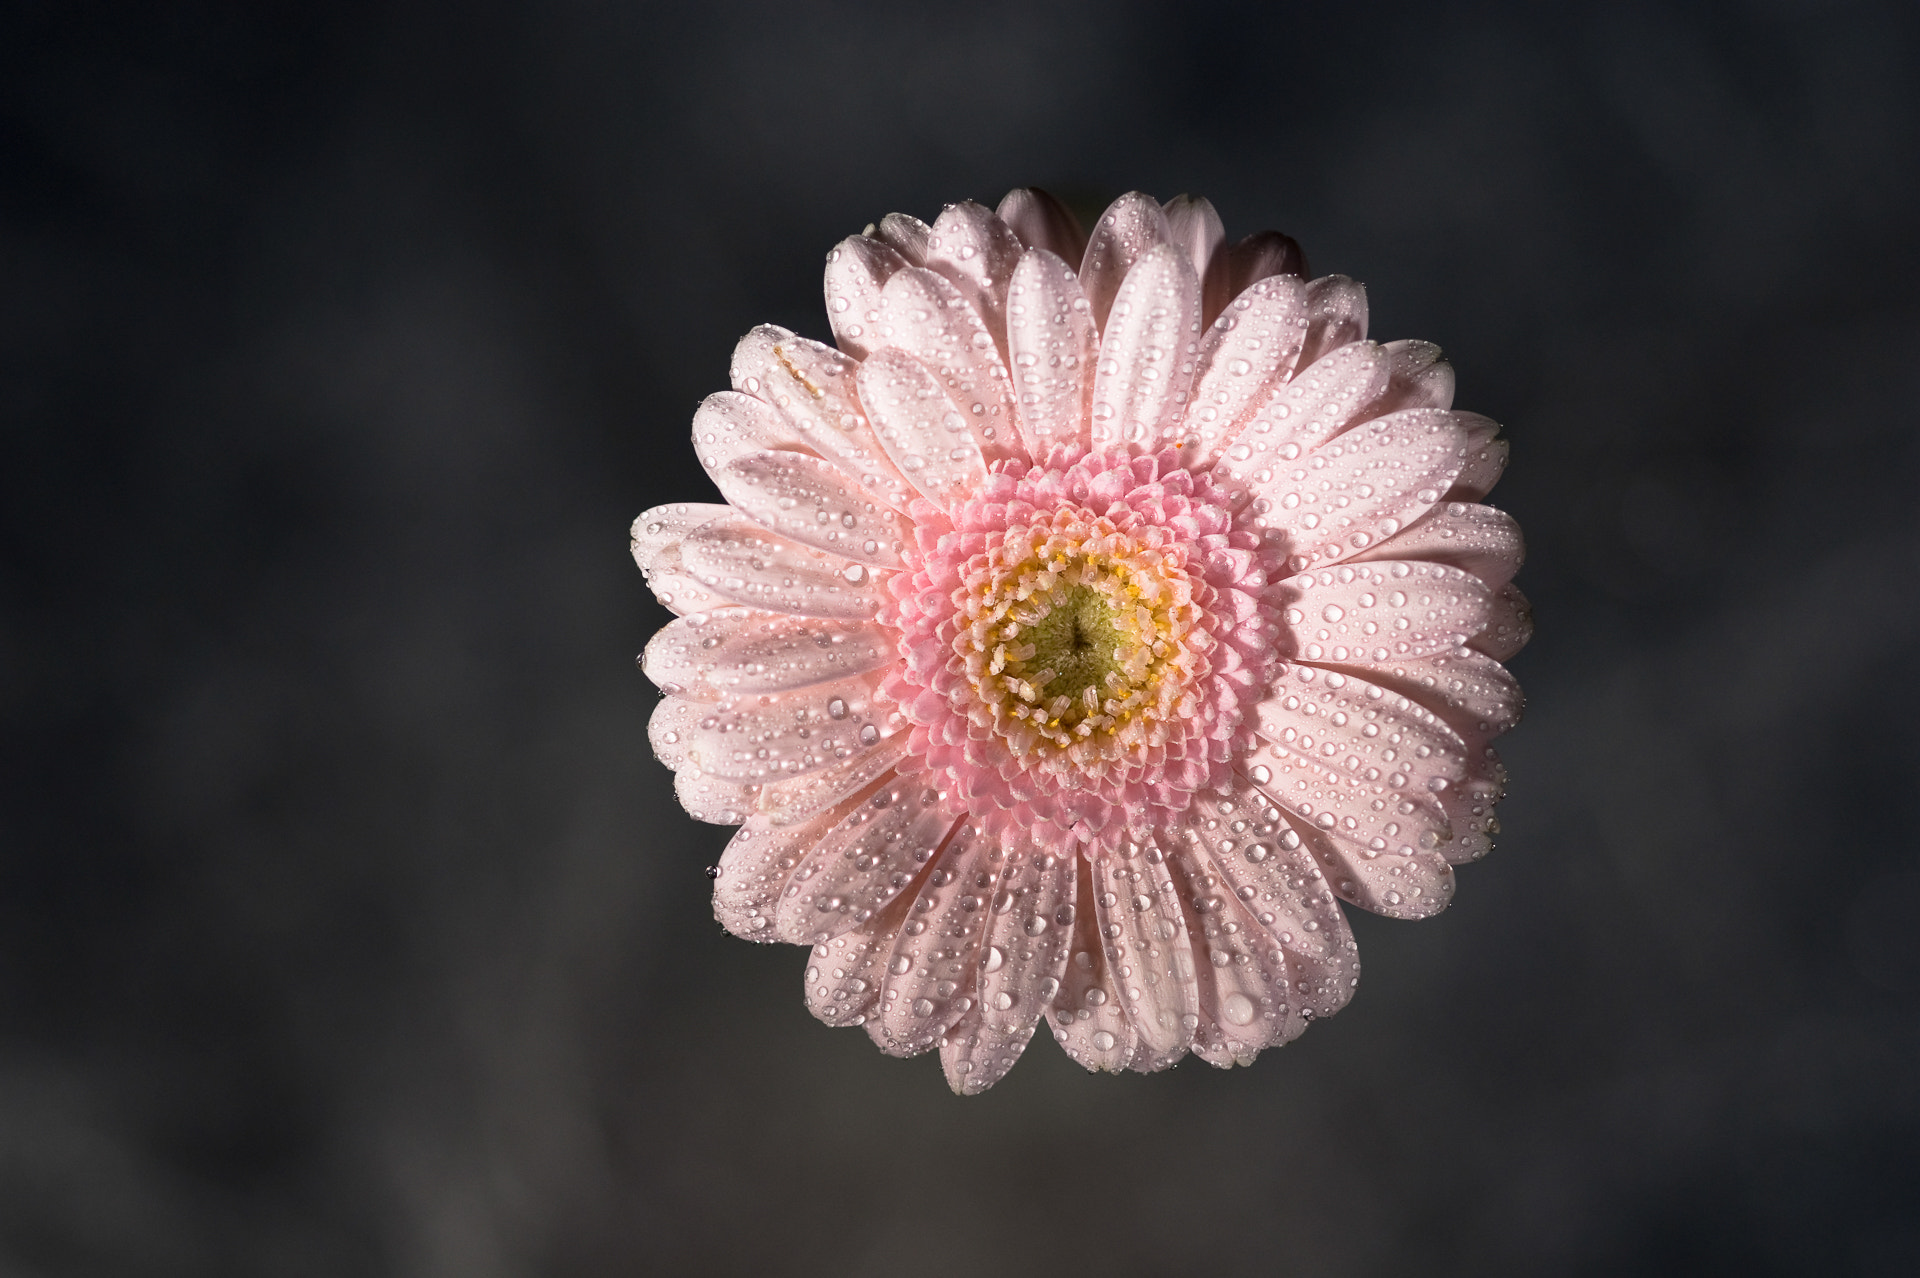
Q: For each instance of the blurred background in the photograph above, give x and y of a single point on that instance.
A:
(347, 925)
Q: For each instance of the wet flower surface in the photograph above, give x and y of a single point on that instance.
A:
(1101, 613)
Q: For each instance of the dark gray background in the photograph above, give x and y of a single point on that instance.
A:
(346, 924)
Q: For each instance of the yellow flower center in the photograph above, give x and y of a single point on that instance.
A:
(1079, 640)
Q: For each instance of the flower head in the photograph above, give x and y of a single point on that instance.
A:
(1079, 632)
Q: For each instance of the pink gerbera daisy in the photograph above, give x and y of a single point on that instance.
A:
(1100, 614)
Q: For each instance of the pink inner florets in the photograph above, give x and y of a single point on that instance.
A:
(1154, 548)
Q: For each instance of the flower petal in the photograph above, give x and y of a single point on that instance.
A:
(1087, 1016)
(740, 562)
(676, 588)
(1254, 849)
(1050, 341)
(773, 738)
(1509, 624)
(977, 252)
(1262, 255)
(1027, 940)
(1482, 471)
(755, 869)
(733, 651)
(857, 268)
(1147, 943)
(813, 387)
(976, 1056)
(925, 316)
(1471, 691)
(814, 503)
(1248, 352)
(1043, 222)
(1375, 807)
(1148, 351)
(787, 802)
(1385, 611)
(730, 424)
(1336, 316)
(907, 235)
(844, 970)
(1194, 227)
(670, 729)
(1477, 539)
(931, 978)
(1131, 226)
(1242, 998)
(1363, 486)
(1416, 885)
(1362, 727)
(663, 526)
(1416, 378)
(862, 864)
(925, 433)
(713, 799)
(1317, 404)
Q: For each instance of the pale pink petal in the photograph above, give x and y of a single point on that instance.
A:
(1027, 939)
(735, 651)
(1470, 690)
(742, 563)
(977, 252)
(1378, 808)
(664, 526)
(1150, 952)
(862, 864)
(670, 729)
(1478, 699)
(907, 235)
(1131, 227)
(1316, 405)
(844, 970)
(813, 387)
(928, 436)
(676, 588)
(1336, 316)
(730, 424)
(1508, 626)
(1362, 727)
(1195, 228)
(714, 799)
(774, 738)
(975, 1055)
(1482, 471)
(1087, 1015)
(814, 503)
(856, 269)
(1363, 486)
(1247, 353)
(1416, 378)
(1479, 539)
(1043, 222)
(925, 316)
(1261, 255)
(1414, 885)
(1385, 611)
(755, 868)
(930, 980)
(1148, 351)
(1262, 858)
(789, 802)
(1470, 807)
(1242, 999)
(1050, 341)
